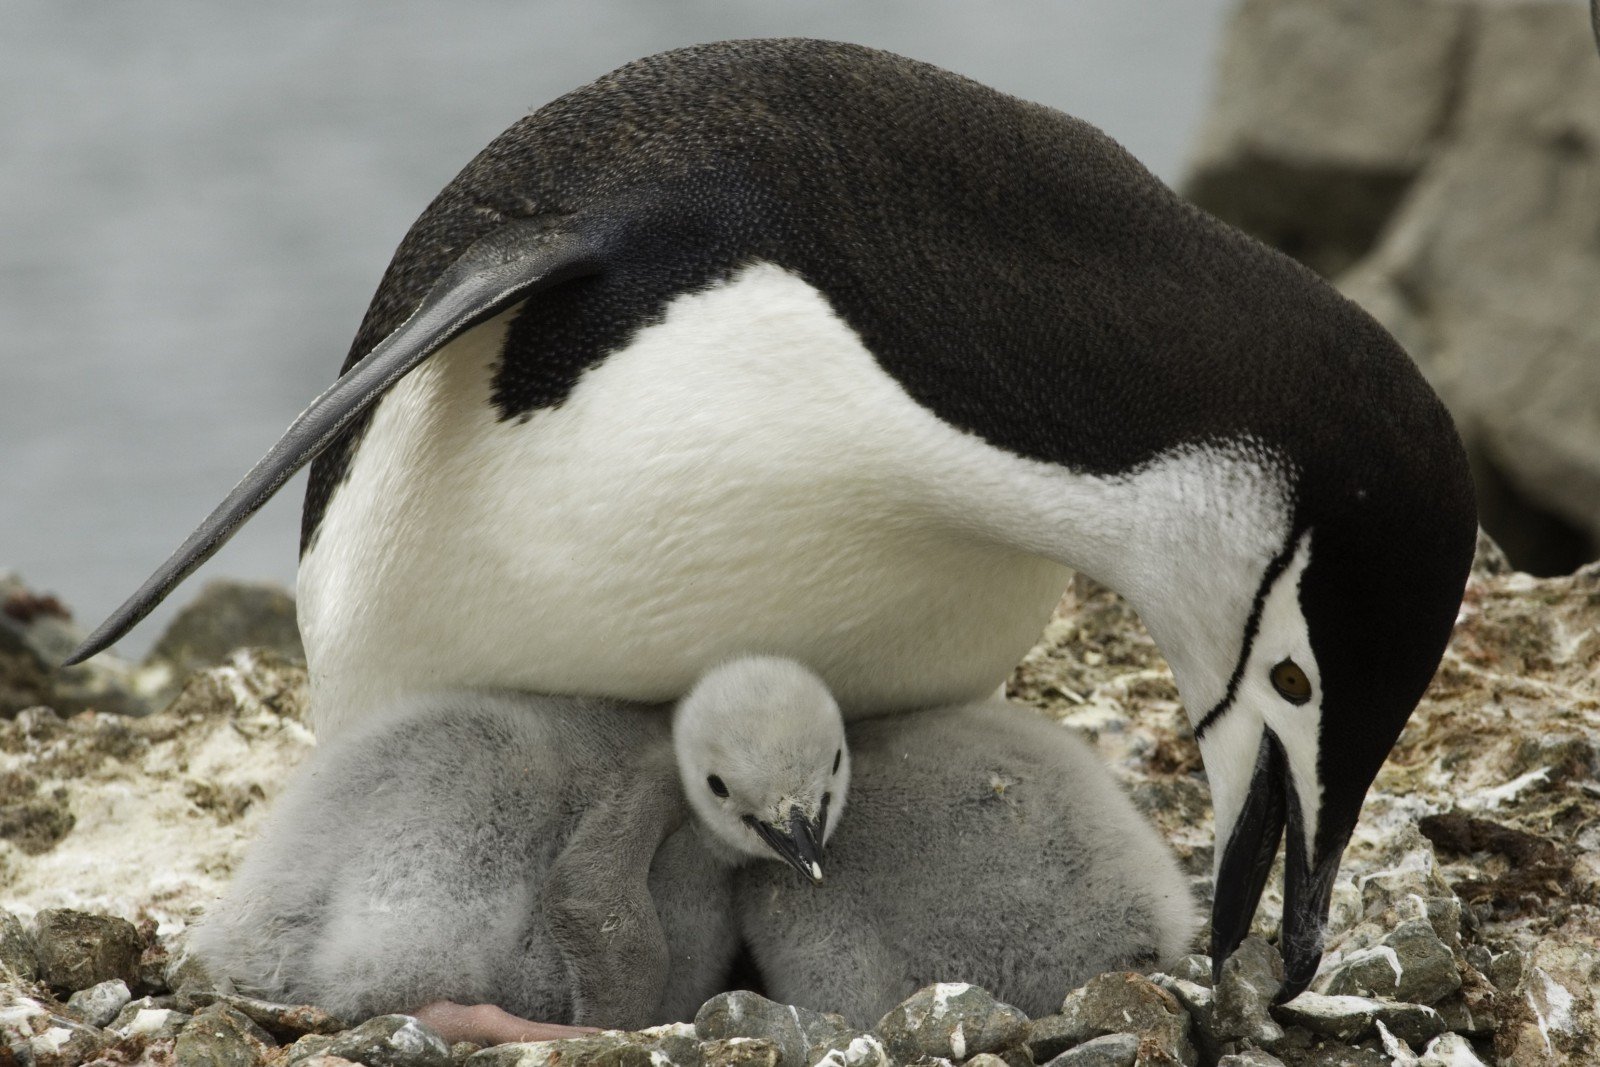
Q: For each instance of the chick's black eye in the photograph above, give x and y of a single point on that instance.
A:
(1291, 682)
(718, 786)
(837, 753)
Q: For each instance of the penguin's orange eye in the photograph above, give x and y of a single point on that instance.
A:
(1291, 682)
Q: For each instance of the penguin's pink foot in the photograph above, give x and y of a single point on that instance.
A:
(485, 1024)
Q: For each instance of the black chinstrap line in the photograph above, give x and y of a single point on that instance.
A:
(1252, 625)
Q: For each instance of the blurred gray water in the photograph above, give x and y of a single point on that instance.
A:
(196, 201)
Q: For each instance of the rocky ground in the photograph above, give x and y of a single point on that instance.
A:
(1464, 928)
(1441, 160)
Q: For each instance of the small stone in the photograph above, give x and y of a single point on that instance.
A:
(740, 1052)
(1200, 1002)
(1411, 963)
(679, 1043)
(794, 1031)
(99, 1004)
(383, 1041)
(324, 1060)
(674, 1045)
(609, 1049)
(1112, 1050)
(860, 1050)
(952, 1021)
(1351, 1018)
(1125, 1002)
(1505, 970)
(1252, 1057)
(1330, 1053)
(76, 950)
(58, 1041)
(1251, 978)
(1397, 1049)
(219, 1036)
(1450, 1050)
(185, 973)
(153, 962)
(16, 948)
(1460, 1015)
(986, 1059)
(152, 1018)
(1050, 1036)
(462, 1051)
(1193, 968)
(285, 1022)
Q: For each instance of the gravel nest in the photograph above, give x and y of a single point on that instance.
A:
(1463, 930)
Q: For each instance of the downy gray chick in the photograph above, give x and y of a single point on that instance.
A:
(531, 852)
(985, 844)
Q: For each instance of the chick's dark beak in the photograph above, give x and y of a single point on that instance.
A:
(800, 845)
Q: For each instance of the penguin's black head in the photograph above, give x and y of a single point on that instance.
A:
(1353, 619)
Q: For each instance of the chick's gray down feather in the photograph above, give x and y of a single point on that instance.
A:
(483, 849)
(984, 844)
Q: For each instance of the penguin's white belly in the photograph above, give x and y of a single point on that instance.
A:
(743, 477)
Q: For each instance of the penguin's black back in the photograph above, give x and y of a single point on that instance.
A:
(1013, 268)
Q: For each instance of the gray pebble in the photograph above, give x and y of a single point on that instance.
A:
(1125, 1002)
(1459, 1016)
(99, 1004)
(219, 1036)
(1337, 1054)
(61, 1042)
(1112, 1050)
(1251, 978)
(76, 950)
(384, 1041)
(951, 1021)
(1050, 1036)
(795, 1032)
(740, 1052)
(675, 1044)
(854, 1050)
(1450, 1050)
(1411, 963)
(16, 948)
(1193, 968)
(186, 974)
(1253, 1057)
(1200, 1002)
(285, 1022)
(1505, 970)
(153, 1018)
(1350, 1018)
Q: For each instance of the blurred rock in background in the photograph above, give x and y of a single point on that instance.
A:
(1440, 160)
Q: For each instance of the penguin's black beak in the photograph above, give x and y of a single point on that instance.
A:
(1271, 804)
(800, 846)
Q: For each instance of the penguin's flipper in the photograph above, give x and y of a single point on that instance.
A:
(501, 268)
(596, 899)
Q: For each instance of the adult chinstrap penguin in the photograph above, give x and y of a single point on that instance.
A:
(811, 348)
(531, 855)
(984, 844)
